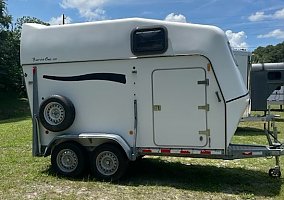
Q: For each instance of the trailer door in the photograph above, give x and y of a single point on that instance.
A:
(180, 107)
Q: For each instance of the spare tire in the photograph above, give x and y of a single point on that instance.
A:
(56, 113)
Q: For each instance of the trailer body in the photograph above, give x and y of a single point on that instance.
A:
(134, 86)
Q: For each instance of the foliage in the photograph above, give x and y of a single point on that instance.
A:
(27, 19)
(269, 54)
(5, 19)
(5, 46)
(10, 68)
(11, 106)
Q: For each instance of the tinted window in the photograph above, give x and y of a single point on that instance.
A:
(147, 41)
(274, 75)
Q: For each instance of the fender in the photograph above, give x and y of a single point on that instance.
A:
(91, 140)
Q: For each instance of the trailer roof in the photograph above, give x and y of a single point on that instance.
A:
(110, 40)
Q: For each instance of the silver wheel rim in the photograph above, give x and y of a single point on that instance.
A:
(67, 160)
(54, 113)
(107, 163)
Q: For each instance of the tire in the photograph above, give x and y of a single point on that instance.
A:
(68, 159)
(109, 162)
(56, 113)
(276, 173)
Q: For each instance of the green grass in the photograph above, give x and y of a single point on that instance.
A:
(25, 177)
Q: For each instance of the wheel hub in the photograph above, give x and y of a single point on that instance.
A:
(67, 160)
(54, 113)
(107, 163)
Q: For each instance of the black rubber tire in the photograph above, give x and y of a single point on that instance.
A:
(121, 160)
(274, 173)
(69, 110)
(68, 149)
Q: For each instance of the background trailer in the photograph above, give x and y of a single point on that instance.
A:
(265, 79)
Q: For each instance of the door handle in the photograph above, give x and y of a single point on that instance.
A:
(218, 97)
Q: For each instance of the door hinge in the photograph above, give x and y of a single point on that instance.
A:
(205, 107)
(157, 107)
(206, 132)
(204, 82)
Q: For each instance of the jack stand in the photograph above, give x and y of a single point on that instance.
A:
(275, 172)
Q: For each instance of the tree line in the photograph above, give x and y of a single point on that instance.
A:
(10, 33)
(269, 54)
(10, 69)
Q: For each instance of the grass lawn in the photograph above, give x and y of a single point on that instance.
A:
(25, 177)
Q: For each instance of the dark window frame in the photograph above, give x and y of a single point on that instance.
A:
(274, 75)
(134, 46)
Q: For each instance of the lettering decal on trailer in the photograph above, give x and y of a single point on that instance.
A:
(45, 59)
(119, 78)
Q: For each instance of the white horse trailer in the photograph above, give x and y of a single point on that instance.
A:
(108, 92)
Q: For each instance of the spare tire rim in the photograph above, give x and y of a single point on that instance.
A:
(54, 113)
(67, 160)
(107, 163)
